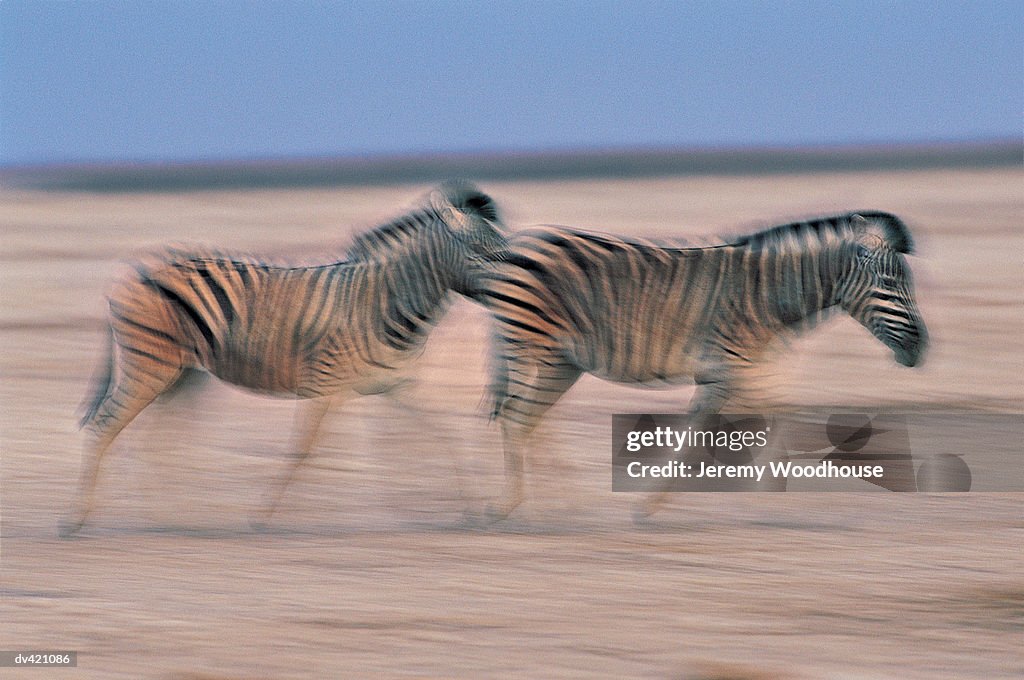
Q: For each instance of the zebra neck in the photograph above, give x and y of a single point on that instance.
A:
(803, 284)
(415, 288)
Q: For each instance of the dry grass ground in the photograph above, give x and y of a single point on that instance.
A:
(375, 567)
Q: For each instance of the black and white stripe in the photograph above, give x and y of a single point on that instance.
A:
(568, 302)
(336, 330)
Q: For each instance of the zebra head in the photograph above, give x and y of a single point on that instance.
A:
(878, 290)
(477, 230)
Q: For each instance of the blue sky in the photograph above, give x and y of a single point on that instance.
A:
(177, 81)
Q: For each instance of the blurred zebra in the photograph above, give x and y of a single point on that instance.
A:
(568, 302)
(320, 333)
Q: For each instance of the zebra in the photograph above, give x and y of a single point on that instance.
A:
(567, 302)
(322, 334)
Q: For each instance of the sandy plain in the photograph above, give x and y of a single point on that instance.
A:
(376, 565)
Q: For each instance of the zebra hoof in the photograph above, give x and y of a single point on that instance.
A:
(260, 524)
(68, 528)
(496, 513)
(642, 512)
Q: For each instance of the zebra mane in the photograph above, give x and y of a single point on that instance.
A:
(458, 195)
(890, 228)
(383, 239)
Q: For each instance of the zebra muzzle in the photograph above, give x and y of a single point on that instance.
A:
(910, 351)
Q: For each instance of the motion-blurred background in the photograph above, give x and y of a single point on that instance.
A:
(101, 82)
(286, 127)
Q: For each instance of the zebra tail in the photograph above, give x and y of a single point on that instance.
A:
(100, 383)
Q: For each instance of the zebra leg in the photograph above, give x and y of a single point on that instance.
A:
(140, 382)
(449, 430)
(713, 390)
(308, 418)
(531, 389)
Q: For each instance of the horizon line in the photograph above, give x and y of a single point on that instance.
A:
(547, 164)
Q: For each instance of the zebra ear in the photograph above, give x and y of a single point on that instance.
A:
(440, 202)
(874, 226)
(455, 219)
(460, 204)
(868, 234)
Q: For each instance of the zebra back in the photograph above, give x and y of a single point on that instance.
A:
(643, 311)
(270, 326)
